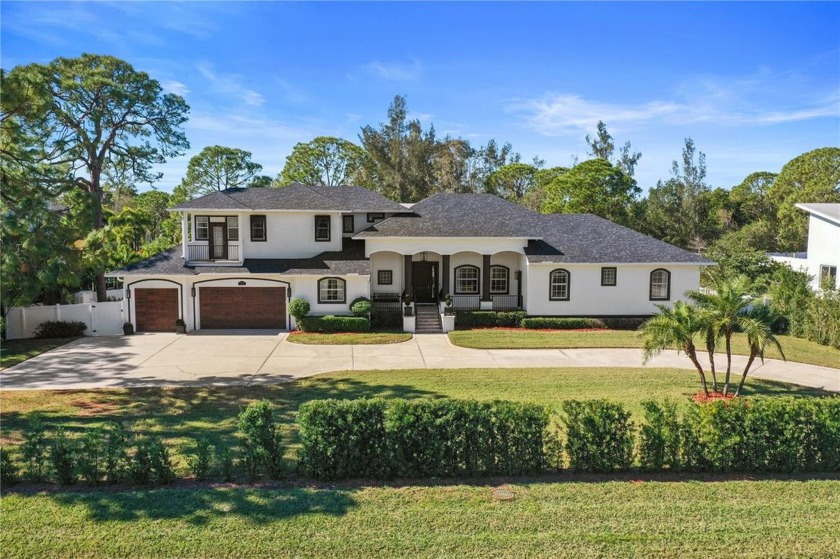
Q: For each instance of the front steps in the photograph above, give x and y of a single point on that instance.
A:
(428, 320)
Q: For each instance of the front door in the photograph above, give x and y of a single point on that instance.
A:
(218, 241)
(424, 281)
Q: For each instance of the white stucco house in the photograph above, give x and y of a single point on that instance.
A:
(822, 257)
(246, 252)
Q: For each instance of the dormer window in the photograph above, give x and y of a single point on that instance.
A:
(322, 228)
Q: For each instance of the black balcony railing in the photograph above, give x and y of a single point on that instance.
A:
(506, 302)
(211, 253)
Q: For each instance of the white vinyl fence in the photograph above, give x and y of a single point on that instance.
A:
(102, 319)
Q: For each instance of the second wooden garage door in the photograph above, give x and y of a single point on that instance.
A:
(242, 307)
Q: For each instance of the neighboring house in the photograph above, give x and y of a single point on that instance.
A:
(822, 258)
(247, 252)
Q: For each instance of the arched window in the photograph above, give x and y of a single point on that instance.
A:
(559, 285)
(499, 280)
(331, 290)
(660, 285)
(466, 280)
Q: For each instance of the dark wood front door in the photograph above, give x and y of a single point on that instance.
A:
(218, 241)
(425, 280)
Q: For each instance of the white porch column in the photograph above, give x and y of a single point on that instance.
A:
(184, 235)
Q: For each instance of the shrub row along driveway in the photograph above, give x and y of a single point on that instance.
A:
(267, 357)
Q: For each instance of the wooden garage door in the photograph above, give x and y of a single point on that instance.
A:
(156, 309)
(242, 307)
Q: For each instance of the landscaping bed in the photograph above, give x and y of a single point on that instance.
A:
(348, 338)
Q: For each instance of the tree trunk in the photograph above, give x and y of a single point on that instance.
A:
(98, 223)
(746, 371)
(711, 350)
(692, 355)
(728, 336)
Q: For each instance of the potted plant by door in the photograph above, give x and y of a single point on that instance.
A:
(448, 302)
(128, 329)
(180, 326)
(407, 300)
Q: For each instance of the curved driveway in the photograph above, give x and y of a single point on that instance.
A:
(245, 358)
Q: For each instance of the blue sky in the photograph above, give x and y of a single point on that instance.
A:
(754, 84)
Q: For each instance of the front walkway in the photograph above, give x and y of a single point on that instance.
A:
(231, 358)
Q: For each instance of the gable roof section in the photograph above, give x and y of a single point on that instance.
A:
(460, 215)
(829, 212)
(295, 196)
(587, 238)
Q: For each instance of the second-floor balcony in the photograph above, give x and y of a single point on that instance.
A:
(206, 252)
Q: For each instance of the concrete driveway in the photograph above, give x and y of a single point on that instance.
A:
(253, 357)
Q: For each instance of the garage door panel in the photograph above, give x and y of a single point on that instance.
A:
(242, 307)
(156, 310)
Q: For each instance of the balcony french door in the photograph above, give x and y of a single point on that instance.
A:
(218, 241)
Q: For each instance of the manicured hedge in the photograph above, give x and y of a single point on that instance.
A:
(332, 323)
(624, 323)
(421, 438)
(488, 319)
(60, 329)
(599, 436)
(344, 439)
(561, 323)
(386, 318)
(756, 435)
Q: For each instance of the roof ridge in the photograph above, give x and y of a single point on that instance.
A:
(313, 191)
(235, 200)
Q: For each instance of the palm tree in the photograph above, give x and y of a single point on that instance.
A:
(674, 328)
(756, 326)
(724, 308)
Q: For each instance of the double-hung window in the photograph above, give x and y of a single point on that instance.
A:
(660, 285)
(258, 230)
(322, 228)
(608, 277)
(331, 290)
(202, 228)
(498, 280)
(466, 280)
(559, 283)
(233, 228)
(828, 277)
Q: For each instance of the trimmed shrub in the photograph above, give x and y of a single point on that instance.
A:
(91, 459)
(361, 307)
(162, 471)
(332, 323)
(63, 457)
(599, 436)
(264, 442)
(225, 462)
(9, 471)
(386, 318)
(34, 450)
(60, 329)
(561, 323)
(446, 438)
(661, 437)
(298, 308)
(624, 323)
(343, 439)
(489, 319)
(200, 460)
(116, 445)
(141, 464)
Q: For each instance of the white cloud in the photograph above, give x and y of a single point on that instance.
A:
(394, 71)
(176, 87)
(746, 102)
(231, 84)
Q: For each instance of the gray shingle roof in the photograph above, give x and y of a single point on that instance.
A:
(351, 260)
(460, 215)
(588, 238)
(295, 196)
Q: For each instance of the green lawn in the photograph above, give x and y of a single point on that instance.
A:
(555, 516)
(17, 351)
(349, 338)
(796, 349)
(622, 519)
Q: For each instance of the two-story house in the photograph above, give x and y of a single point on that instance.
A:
(822, 257)
(246, 252)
